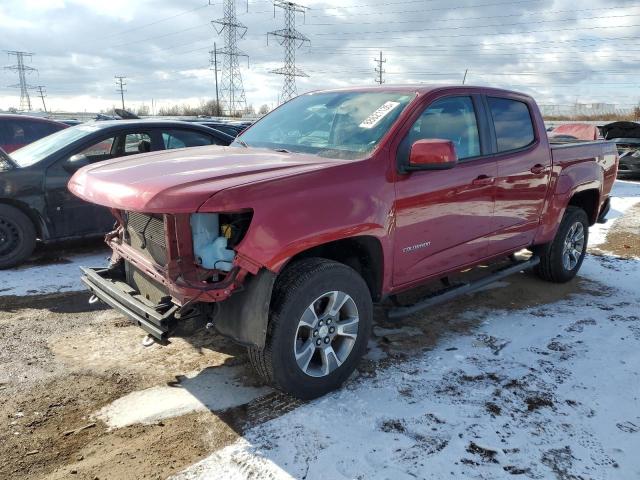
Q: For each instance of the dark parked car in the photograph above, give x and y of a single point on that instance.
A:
(234, 128)
(626, 136)
(16, 131)
(34, 200)
(228, 128)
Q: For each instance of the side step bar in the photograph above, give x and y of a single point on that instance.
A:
(450, 293)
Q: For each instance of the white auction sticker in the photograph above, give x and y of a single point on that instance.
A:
(373, 119)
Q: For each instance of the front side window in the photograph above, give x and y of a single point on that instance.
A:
(41, 149)
(344, 125)
(185, 138)
(451, 118)
(512, 121)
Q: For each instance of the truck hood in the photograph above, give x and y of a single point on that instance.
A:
(180, 181)
(616, 130)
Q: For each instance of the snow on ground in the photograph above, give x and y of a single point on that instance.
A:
(624, 195)
(545, 392)
(63, 275)
(214, 389)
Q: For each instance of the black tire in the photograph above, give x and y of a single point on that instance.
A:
(552, 266)
(296, 289)
(17, 237)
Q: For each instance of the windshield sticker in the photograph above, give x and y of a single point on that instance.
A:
(375, 118)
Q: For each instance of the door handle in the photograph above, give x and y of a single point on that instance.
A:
(538, 168)
(483, 180)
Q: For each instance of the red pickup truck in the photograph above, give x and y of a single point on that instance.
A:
(336, 200)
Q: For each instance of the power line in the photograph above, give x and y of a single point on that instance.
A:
(466, 27)
(233, 96)
(379, 70)
(23, 70)
(120, 84)
(430, 9)
(164, 19)
(459, 19)
(291, 39)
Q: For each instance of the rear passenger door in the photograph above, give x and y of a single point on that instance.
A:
(524, 167)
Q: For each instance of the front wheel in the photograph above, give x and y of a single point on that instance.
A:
(561, 259)
(319, 326)
(17, 236)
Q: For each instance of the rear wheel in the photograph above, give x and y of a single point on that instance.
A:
(561, 259)
(17, 236)
(320, 321)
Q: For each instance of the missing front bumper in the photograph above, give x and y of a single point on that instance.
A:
(109, 286)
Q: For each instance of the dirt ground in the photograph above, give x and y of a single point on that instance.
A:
(63, 360)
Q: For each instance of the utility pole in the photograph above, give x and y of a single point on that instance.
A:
(379, 70)
(120, 84)
(41, 94)
(464, 79)
(213, 60)
(291, 39)
(23, 70)
(233, 96)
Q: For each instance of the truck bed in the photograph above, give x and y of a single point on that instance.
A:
(603, 152)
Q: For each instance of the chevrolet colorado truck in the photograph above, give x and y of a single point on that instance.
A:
(335, 201)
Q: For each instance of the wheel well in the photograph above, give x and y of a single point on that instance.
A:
(363, 254)
(27, 211)
(588, 201)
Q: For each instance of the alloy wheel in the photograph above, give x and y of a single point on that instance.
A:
(326, 333)
(574, 245)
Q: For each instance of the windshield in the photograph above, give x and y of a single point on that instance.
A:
(336, 125)
(39, 150)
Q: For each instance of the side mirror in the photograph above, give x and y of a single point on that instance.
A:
(432, 154)
(75, 162)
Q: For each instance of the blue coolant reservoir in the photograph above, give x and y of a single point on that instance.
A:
(209, 247)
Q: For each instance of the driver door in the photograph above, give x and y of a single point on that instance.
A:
(71, 216)
(444, 218)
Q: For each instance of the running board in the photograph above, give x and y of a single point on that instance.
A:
(450, 293)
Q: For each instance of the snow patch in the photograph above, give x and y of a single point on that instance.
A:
(61, 276)
(624, 195)
(213, 389)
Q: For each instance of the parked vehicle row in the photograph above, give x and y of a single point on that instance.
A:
(334, 201)
(34, 200)
(626, 136)
(16, 131)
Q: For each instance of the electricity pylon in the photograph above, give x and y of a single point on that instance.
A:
(291, 39)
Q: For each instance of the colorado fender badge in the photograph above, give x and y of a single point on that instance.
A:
(413, 248)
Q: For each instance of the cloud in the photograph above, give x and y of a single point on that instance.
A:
(560, 51)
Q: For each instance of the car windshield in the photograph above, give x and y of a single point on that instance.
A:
(345, 125)
(39, 150)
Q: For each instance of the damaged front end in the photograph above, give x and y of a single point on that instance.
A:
(168, 268)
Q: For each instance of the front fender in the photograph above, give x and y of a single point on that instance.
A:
(294, 214)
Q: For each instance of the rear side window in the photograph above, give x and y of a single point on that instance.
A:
(186, 138)
(512, 121)
(136, 143)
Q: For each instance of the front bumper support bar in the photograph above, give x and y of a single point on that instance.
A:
(117, 294)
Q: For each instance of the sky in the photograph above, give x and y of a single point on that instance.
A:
(563, 52)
